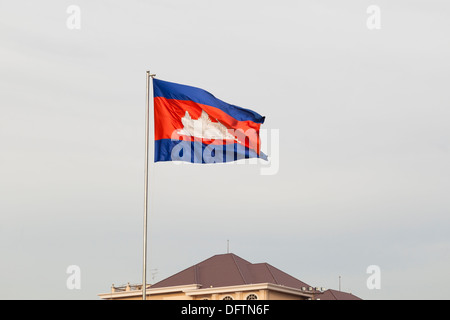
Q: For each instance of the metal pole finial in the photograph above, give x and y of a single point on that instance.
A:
(152, 75)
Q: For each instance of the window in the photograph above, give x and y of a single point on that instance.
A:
(252, 297)
(228, 298)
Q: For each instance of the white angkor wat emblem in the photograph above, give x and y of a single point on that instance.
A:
(204, 128)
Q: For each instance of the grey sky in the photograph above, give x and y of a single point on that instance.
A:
(364, 143)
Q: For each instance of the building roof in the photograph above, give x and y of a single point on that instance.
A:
(224, 273)
(229, 270)
(331, 294)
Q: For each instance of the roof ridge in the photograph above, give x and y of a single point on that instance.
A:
(331, 291)
(194, 269)
(271, 273)
(196, 274)
(284, 274)
(237, 266)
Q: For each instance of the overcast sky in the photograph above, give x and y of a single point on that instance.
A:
(364, 143)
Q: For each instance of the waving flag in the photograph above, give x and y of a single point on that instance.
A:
(194, 126)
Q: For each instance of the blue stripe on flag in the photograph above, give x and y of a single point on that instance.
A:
(170, 90)
(198, 152)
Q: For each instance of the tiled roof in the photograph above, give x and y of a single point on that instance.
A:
(230, 270)
(331, 294)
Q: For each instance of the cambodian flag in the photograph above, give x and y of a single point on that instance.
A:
(192, 125)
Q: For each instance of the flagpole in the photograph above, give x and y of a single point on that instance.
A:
(147, 132)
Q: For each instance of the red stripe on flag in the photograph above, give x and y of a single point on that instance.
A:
(168, 114)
